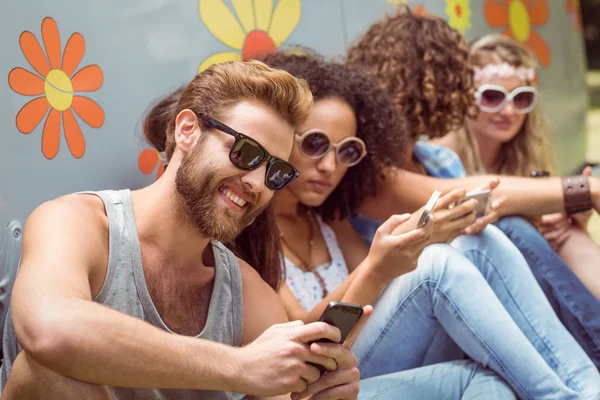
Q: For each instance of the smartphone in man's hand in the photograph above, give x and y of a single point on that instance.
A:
(344, 316)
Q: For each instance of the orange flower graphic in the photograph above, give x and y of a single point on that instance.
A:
(573, 11)
(148, 160)
(56, 82)
(256, 29)
(517, 18)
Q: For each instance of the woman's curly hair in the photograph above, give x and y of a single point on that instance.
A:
(423, 64)
(376, 119)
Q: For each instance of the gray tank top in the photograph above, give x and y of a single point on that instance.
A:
(125, 290)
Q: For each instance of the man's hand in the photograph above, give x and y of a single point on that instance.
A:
(277, 361)
(343, 383)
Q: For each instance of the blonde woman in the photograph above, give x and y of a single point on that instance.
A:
(509, 137)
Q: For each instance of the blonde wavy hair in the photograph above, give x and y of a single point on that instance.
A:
(529, 150)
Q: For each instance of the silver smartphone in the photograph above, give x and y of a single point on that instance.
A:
(482, 197)
(428, 208)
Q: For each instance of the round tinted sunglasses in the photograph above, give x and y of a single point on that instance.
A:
(247, 154)
(315, 143)
(492, 98)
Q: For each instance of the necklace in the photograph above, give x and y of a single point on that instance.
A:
(305, 264)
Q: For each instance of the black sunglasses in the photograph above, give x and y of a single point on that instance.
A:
(247, 154)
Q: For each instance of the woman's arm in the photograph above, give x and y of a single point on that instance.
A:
(390, 256)
(403, 191)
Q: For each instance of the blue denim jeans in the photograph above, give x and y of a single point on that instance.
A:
(574, 304)
(447, 305)
(465, 380)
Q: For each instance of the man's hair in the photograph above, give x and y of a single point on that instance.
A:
(422, 63)
(376, 120)
(222, 85)
(209, 94)
(529, 150)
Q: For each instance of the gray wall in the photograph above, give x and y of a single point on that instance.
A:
(145, 48)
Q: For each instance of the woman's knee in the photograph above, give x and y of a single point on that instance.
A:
(29, 379)
(442, 261)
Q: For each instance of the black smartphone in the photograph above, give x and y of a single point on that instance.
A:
(344, 316)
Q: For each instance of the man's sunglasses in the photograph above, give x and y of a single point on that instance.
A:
(247, 154)
(493, 98)
(315, 143)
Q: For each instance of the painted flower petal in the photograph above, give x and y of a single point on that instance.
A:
(539, 13)
(161, 170)
(51, 41)
(73, 134)
(33, 53)
(88, 110)
(222, 23)
(496, 14)
(32, 114)
(24, 82)
(508, 32)
(147, 161)
(218, 58)
(540, 48)
(51, 135)
(285, 18)
(74, 51)
(527, 3)
(245, 13)
(263, 10)
(88, 79)
(420, 10)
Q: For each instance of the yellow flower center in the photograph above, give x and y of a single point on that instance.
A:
(59, 90)
(519, 20)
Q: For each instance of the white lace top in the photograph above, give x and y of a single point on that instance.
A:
(305, 285)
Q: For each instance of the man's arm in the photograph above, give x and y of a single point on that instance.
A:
(403, 191)
(60, 326)
(264, 311)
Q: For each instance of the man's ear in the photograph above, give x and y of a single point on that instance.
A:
(187, 130)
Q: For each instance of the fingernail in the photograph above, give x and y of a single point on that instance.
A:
(495, 204)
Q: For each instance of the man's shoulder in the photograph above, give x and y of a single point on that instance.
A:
(70, 207)
(78, 214)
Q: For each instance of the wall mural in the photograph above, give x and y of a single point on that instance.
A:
(254, 28)
(56, 82)
(56, 99)
(518, 18)
(573, 11)
(148, 160)
(459, 14)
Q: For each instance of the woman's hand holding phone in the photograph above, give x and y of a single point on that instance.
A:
(450, 218)
(492, 215)
(397, 246)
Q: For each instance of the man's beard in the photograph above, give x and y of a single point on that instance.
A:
(197, 184)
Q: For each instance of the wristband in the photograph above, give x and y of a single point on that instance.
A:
(576, 193)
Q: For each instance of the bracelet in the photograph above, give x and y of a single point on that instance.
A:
(576, 193)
